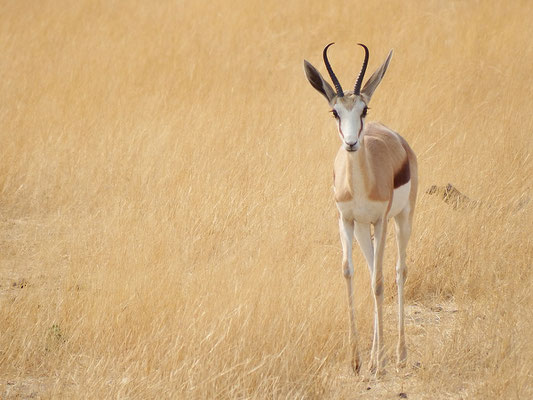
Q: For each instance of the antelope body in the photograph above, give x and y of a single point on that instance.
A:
(375, 179)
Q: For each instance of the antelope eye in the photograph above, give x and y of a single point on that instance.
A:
(335, 114)
(365, 110)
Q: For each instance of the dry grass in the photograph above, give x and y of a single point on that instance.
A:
(167, 227)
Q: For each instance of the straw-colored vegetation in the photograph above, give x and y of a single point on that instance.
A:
(167, 224)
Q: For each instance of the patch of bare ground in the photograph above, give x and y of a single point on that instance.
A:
(20, 279)
(23, 388)
(404, 383)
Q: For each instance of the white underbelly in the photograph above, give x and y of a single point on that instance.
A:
(363, 210)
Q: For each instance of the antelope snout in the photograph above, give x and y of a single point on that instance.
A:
(351, 146)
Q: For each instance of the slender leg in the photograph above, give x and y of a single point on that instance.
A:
(346, 231)
(362, 234)
(376, 357)
(364, 238)
(403, 231)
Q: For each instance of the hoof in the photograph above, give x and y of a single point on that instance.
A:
(376, 360)
(356, 365)
(372, 366)
(379, 372)
(377, 368)
(400, 364)
(402, 358)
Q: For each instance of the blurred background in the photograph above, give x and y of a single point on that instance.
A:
(167, 222)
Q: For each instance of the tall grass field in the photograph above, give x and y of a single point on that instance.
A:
(167, 222)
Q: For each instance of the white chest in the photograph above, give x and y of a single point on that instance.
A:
(364, 210)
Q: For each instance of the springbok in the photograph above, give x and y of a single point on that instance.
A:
(375, 178)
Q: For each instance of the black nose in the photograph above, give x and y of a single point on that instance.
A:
(351, 146)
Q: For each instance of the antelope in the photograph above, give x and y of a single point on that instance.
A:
(375, 178)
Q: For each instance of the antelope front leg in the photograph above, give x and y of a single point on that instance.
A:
(377, 361)
(364, 238)
(346, 233)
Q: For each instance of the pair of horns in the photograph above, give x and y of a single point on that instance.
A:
(338, 87)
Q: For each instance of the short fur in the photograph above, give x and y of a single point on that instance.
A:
(385, 161)
(375, 178)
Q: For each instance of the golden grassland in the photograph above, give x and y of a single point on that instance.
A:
(167, 225)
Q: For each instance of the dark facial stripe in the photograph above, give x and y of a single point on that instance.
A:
(361, 120)
(403, 175)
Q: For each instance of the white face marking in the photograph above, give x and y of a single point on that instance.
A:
(350, 123)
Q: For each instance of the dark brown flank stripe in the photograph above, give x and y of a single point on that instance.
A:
(403, 175)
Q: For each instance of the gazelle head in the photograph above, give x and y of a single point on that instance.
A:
(348, 108)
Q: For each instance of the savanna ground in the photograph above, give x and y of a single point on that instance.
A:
(167, 225)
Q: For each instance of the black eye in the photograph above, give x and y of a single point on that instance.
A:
(365, 110)
(335, 114)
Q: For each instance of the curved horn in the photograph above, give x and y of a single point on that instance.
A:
(334, 79)
(357, 88)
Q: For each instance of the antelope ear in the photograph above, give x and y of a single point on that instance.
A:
(316, 80)
(376, 78)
